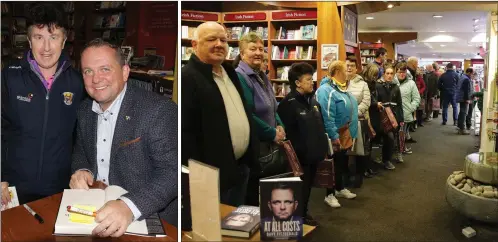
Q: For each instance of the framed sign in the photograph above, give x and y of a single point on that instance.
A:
(330, 52)
(350, 28)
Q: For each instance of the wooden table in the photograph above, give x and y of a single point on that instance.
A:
(19, 225)
(224, 211)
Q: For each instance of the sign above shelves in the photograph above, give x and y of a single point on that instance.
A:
(200, 16)
(244, 16)
(294, 15)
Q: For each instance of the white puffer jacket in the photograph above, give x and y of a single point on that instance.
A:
(359, 89)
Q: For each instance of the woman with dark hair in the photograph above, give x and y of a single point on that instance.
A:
(389, 95)
(259, 95)
(340, 115)
(302, 118)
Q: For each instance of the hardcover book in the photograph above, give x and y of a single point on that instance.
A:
(74, 224)
(243, 222)
(281, 211)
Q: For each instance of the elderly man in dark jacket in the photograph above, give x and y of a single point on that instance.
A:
(432, 90)
(216, 122)
(464, 97)
(448, 87)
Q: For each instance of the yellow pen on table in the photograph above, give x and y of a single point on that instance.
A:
(73, 209)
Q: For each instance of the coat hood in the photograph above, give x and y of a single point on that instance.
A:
(356, 78)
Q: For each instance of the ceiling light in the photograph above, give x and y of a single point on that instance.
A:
(441, 31)
(476, 20)
(464, 54)
(437, 16)
(370, 18)
(442, 45)
(433, 54)
(390, 6)
(412, 45)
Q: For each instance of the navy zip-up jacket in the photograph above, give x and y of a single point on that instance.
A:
(448, 83)
(38, 126)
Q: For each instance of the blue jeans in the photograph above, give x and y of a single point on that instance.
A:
(447, 99)
(236, 195)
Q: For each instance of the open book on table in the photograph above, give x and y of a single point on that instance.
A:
(73, 224)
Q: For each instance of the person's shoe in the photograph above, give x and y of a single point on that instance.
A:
(411, 140)
(455, 123)
(345, 193)
(372, 172)
(367, 174)
(463, 132)
(421, 125)
(468, 128)
(443, 123)
(389, 166)
(332, 201)
(399, 158)
(308, 220)
(407, 151)
(378, 160)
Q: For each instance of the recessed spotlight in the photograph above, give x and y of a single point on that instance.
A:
(412, 45)
(370, 18)
(437, 16)
(441, 31)
(464, 54)
(442, 45)
(433, 54)
(390, 6)
(476, 20)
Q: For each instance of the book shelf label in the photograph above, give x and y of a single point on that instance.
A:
(294, 15)
(244, 16)
(188, 15)
(350, 49)
(372, 46)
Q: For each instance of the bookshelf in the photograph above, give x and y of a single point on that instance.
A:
(367, 52)
(270, 25)
(190, 21)
(109, 21)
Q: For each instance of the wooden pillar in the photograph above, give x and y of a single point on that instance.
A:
(329, 32)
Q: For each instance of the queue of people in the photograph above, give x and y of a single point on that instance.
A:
(344, 116)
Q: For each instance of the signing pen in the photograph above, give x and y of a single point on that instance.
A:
(38, 217)
(81, 211)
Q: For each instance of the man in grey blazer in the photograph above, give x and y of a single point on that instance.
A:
(127, 137)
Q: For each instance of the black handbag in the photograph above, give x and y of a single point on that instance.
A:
(271, 160)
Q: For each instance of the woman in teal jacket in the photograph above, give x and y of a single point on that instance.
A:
(339, 108)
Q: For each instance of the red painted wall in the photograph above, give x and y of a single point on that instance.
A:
(476, 61)
(155, 25)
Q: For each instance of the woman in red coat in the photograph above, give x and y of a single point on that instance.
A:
(419, 80)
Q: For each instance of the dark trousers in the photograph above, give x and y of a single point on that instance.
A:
(340, 166)
(447, 99)
(236, 195)
(308, 177)
(462, 115)
(468, 119)
(26, 198)
(387, 146)
(420, 113)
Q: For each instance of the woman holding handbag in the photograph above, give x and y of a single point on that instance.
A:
(258, 94)
(389, 95)
(359, 89)
(340, 115)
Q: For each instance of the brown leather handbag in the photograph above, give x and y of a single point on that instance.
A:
(388, 120)
(344, 135)
(292, 158)
(324, 177)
